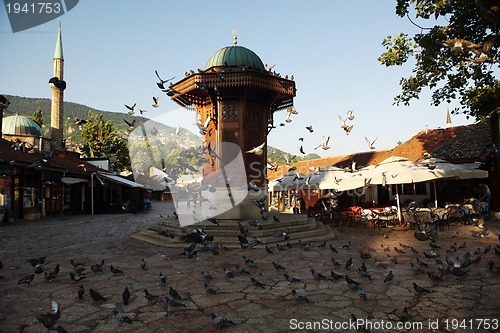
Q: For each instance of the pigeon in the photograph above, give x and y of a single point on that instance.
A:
(143, 264)
(210, 290)
(241, 270)
(162, 82)
(131, 125)
(405, 315)
(348, 129)
(28, 278)
(317, 275)
(388, 277)
(125, 296)
(4, 102)
(456, 265)
(350, 115)
(361, 293)
(283, 233)
(348, 263)
(419, 289)
(228, 274)
(121, 317)
(310, 128)
(296, 296)
(96, 296)
(37, 261)
(130, 108)
(434, 277)
(336, 276)
(174, 303)
(275, 218)
(79, 122)
(364, 273)
(291, 279)
(51, 319)
(249, 262)
(259, 150)
(257, 283)
(350, 282)
(333, 248)
(115, 270)
(173, 293)
(81, 291)
(150, 297)
(155, 102)
(324, 144)
(77, 276)
(301, 149)
(268, 250)
(206, 276)
(348, 245)
(38, 269)
(370, 143)
(458, 44)
(162, 278)
(255, 241)
(199, 236)
(220, 321)
(97, 267)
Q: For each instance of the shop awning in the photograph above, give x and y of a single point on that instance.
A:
(72, 180)
(121, 180)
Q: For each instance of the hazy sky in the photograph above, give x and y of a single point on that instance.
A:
(112, 48)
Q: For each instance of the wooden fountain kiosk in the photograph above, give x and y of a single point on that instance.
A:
(234, 98)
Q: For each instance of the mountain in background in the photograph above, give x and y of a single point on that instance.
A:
(26, 106)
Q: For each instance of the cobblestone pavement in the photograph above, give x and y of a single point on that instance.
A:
(90, 239)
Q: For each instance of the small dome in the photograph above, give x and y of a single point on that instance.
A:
(235, 56)
(20, 125)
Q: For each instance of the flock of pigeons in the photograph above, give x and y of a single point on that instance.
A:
(345, 125)
(355, 267)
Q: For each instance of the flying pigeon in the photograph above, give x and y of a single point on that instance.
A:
(324, 143)
(259, 150)
(310, 128)
(350, 115)
(131, 125)
(162, 82)
(370, 143)
(155, 102)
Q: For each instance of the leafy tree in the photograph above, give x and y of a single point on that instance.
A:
(456, 53)
(38, 117)
(100, 139)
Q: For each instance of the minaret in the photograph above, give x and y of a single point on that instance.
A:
(448, 119)
(57, 108)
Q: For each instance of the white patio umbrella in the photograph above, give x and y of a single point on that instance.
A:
(464, 172)
(400, 170)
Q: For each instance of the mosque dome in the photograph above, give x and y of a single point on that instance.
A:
(21, 125)
(235, 56)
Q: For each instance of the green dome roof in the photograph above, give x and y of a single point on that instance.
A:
(20, 125)
(235, 56)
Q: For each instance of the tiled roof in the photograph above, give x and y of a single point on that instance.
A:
(456, 144)
(64, 161)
